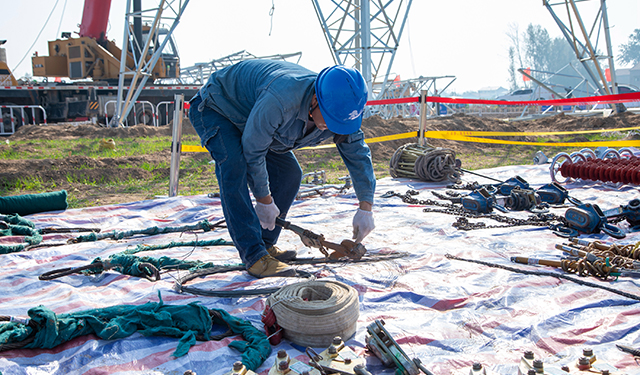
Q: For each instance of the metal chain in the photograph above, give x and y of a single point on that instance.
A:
(463, 223)
(407, 198)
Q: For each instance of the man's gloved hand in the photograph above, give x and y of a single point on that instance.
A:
(267, 214)
(362, 224)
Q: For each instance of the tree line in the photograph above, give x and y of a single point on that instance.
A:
(547, 57)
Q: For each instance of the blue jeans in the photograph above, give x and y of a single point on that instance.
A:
(223, 140)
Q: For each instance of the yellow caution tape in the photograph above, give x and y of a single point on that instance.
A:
(472, 136)
(191, 148)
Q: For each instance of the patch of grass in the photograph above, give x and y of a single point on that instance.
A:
(58, 149)
(198, 175)
(29, 183)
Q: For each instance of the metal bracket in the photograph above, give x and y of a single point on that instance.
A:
(380, 342)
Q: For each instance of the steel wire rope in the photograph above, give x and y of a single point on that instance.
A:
(423, 162)
(18, 345)
(546, 273)
(64, 7)
(180, 283)
(38, 36)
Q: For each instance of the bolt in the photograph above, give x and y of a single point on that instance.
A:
(531, 372)
(605, 372)
(333, 350)
(282, 354)
(565, 368)
(528, 354)
(283, 366)
(587, 352)
(537, 364)
(477, 366)
(237, 366)
(583, 361)
(337, 340)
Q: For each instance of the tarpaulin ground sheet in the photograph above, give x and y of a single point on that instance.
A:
(446, 312)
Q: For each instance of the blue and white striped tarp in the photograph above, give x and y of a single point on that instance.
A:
(445, 312)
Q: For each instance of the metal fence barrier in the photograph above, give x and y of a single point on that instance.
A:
(10, 119)
(140, 113)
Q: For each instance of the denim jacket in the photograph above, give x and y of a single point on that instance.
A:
(269, 102)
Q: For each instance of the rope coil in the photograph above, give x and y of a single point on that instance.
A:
(313, 313)
(426, 163)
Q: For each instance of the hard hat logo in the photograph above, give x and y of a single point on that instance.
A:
(342, 95)
(354, 115)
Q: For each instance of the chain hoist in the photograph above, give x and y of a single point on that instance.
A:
(539, 219)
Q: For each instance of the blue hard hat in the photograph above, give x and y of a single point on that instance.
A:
(342, 95)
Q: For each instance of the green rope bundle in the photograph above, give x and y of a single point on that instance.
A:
(130, 264)
(145, 247)
(118, 235)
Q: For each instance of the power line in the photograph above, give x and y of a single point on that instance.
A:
(61, 17)
(37, 37)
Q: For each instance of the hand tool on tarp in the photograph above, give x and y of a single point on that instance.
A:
(479, 200)
(383, 346)
(606, 268)
(552, 193)
(630, 212)
(346, 248)
(315, 361)
(587, 218)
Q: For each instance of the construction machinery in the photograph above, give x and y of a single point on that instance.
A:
(92, 63)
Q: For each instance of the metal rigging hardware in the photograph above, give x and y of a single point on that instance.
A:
(346, 248)
(382, 344)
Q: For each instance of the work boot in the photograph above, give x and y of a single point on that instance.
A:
(268, 266)
(282, 255)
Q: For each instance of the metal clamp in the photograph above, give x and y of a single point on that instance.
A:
(380, 343)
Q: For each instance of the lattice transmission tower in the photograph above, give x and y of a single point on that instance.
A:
(584, 39)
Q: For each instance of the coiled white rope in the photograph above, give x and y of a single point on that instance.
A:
(313, 313)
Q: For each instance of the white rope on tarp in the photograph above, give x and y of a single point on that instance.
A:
(313, 313)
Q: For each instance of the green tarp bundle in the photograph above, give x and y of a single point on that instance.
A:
(28, 204)
(151, 319)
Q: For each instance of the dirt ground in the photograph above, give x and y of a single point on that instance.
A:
(103, 170)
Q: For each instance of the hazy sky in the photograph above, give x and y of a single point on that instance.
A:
(462, 38)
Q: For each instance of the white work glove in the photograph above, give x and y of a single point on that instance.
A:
(267, 214)
(362, 224)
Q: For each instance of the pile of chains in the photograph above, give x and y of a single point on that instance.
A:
(462, 222)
